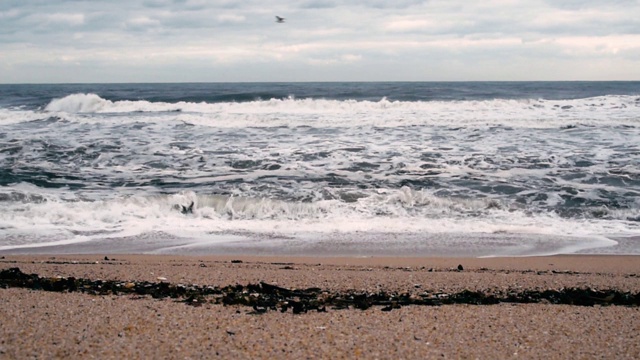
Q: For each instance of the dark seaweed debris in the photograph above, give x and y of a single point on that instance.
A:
(263, 297)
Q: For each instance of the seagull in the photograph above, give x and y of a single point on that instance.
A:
(279, 19)
(187, 209)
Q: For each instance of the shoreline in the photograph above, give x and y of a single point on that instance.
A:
(482, 246)
(76, 324)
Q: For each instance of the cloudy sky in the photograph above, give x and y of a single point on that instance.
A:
(322, 40)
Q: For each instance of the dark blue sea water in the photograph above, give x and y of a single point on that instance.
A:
(38, 96)
(468, 169)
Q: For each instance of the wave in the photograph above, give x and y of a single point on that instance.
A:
(608, 110)
(401, 217)
(92, 103)
(405, 208)
(9, 116)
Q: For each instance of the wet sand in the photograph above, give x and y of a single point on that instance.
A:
(51, 324)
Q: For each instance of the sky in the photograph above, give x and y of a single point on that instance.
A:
(74, 41)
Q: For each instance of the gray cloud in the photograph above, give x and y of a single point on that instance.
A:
(198, 40)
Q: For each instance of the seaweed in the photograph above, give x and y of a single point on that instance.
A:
(263, 297)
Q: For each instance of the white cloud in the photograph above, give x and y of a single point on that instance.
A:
(68, 19)
(606, 45)
(231, 18)
(141, 22)
(336, 60)
(408, 25)
(358, 40)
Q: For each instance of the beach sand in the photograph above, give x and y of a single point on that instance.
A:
(39, 324)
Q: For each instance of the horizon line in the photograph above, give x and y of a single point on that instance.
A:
(312, 81)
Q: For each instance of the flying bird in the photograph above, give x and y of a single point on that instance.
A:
(279, 19)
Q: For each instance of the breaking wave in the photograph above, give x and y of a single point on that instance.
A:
(489, 166)
(614, 109)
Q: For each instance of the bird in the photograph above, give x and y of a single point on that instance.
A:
(187, 209)
(279, 19)
(184, 209)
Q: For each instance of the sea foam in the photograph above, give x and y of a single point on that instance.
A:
(538, 113)
(479, 175)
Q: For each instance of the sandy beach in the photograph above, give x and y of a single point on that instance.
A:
(46, 324)
(324, 219)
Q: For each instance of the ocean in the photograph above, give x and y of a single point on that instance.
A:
(334, 169)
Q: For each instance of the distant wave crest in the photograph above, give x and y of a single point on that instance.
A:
(611, 110)
(78, 103)
(92, 103)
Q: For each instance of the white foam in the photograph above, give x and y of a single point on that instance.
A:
(539, 113)
(467, 148)
(33, 242)
(9, 116)
(412, 215)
